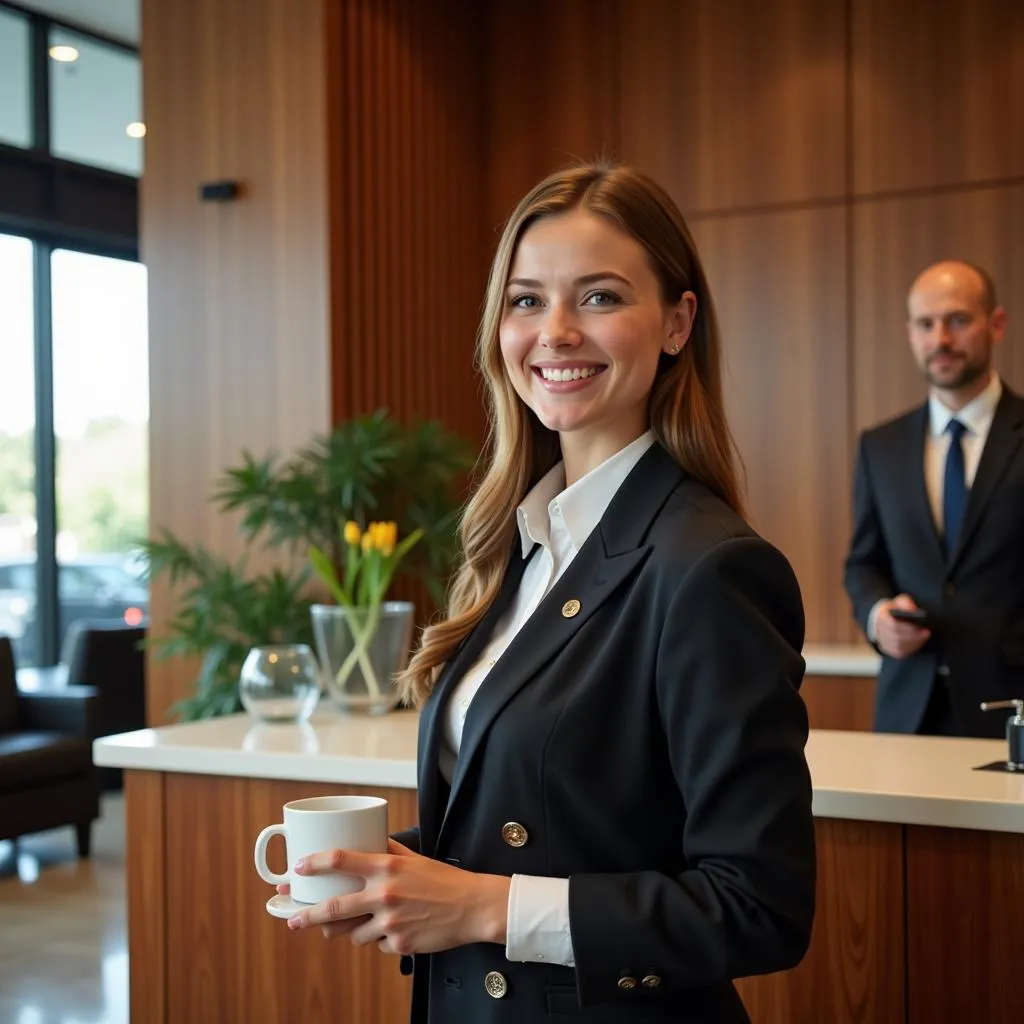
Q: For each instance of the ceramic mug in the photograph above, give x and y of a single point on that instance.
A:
(318, 824)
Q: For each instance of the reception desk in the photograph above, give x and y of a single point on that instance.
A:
(920, 903)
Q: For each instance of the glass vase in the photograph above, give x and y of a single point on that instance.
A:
(280, 683)
(361, 651)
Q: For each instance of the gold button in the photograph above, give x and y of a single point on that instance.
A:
(514, 834)
(651, 981)
(627, 983)
(496, 985)
(571, 608)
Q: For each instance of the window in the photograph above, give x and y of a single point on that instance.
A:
(100, 416)
(73, 349)
(95, 103)
(18, 525)
(15, 104)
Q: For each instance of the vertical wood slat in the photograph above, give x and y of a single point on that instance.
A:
(410, 277)
(146, 855)
(552, 102)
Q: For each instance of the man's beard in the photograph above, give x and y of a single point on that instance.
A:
(970, 371)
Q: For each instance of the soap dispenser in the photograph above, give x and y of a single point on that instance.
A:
(1014, 731)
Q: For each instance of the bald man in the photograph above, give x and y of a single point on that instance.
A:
(935, 571)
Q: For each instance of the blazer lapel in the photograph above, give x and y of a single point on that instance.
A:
(1004, 438)
(612, 553)
(920, 507)
(432, 715)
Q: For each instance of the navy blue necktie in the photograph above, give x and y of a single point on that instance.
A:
(954, 487)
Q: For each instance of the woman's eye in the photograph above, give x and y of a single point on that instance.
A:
(602, 298)
(524, 301)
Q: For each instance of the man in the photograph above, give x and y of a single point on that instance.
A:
(939, 522)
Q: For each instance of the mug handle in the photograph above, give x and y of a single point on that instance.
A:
(261, 855)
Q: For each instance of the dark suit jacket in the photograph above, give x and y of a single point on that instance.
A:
(976, 598)
(652, 746)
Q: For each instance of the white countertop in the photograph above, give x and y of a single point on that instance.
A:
(842, 660)
(330, 747)
(914, 780)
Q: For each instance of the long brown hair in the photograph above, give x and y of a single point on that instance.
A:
(686, 409)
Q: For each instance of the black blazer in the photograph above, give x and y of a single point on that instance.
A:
(652, 747)
(976, 598)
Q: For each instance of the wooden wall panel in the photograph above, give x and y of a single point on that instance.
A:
(383, 142)
(853, 972)
(216, 901)
(937, 92)
(840, 702)
(893, 240)
(779, 283)
(736, 103)
(553, 100)
(965, 902)
(239, 344)
(407, 174)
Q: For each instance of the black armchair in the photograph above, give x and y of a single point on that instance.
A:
(47, 776)
(107, 656)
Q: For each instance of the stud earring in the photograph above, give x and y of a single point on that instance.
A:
(674, 350)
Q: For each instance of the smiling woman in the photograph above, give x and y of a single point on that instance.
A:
(614, 805)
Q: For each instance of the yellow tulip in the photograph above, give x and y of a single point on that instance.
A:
(367, 539)
(389, 537)
(353, 534)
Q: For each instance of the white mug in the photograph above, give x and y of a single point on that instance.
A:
(323, 823)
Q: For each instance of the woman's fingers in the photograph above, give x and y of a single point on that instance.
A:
(337, 908)
(336, 928)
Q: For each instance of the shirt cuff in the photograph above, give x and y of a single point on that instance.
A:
(538, 921)
(872, 615)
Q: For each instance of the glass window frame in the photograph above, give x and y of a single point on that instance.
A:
(20, 18)
(47, 572)
(65, 220)
(39, 64)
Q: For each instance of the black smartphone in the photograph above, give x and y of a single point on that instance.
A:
(917, 616)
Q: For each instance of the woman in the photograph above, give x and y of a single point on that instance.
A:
(614, 805)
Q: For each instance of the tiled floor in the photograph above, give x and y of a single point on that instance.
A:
(63, 953)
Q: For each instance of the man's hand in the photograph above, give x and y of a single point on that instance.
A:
(899, 639)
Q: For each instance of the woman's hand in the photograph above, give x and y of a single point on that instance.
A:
(410, 904)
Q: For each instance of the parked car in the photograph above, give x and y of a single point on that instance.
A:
(100, 586)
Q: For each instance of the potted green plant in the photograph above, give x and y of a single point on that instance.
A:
(372, 468)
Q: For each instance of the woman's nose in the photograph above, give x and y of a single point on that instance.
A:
(559, 329)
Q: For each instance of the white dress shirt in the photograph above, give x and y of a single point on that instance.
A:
(976, 416)
(559, 519)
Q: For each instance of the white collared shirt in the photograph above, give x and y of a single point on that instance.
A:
(559, 519)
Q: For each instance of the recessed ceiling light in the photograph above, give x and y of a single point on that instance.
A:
(136, 130)
(65, 54)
